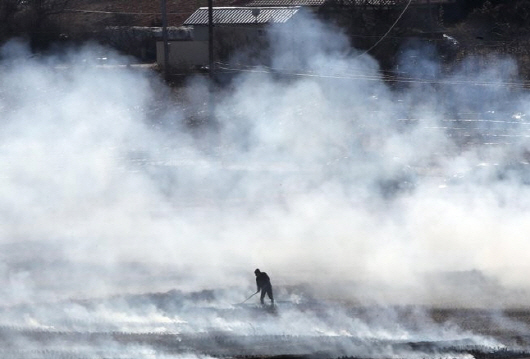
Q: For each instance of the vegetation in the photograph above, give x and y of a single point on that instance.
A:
(33, 19)
(476, 27)
(497, 27)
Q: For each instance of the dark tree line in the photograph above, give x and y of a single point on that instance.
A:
(455, 30)
(472, 22)
(504, 18)
(33, 19)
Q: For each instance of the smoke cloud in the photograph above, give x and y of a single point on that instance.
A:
(317, 171)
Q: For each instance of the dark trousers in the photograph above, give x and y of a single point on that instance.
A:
(266, 290)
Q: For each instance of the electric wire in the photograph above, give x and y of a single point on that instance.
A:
(379, 77)
(390, 29)
(375, 77)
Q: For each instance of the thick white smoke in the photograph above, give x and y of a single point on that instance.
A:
(325, 176)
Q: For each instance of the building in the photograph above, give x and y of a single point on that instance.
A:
(237, 29)
(240, 29)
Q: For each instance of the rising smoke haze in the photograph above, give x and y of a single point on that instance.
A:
(333, 182)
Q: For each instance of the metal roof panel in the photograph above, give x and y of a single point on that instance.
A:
(285, 3)
(242, 15)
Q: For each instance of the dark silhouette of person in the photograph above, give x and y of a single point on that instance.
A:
(264, 285)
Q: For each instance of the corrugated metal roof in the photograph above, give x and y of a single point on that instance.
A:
(285, 3)
(243, 15)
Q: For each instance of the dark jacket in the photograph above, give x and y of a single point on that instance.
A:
(263, 281)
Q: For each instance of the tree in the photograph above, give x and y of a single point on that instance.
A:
(505, 20)
(8, 10)
(31, 18)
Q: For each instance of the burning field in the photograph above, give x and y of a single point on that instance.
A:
(175, 324)
(391, 218)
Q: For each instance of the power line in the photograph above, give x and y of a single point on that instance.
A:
(401, 79)
(390, 29)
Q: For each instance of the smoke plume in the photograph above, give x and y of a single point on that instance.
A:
(342, 187)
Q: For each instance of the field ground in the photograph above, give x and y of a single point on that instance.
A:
(130, 327)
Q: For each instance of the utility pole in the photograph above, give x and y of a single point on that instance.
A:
(165, 38)
(210, 38)
(211, 100)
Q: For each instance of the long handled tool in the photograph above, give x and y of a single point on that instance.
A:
(249, 297)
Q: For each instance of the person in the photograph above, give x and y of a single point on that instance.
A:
(264, 285)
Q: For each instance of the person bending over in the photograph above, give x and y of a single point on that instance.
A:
(264, 285)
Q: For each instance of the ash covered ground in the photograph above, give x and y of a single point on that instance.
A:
(392, 218)
(200, 324)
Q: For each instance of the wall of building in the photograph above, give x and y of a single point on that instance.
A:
(183, 55)
(242, 43)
